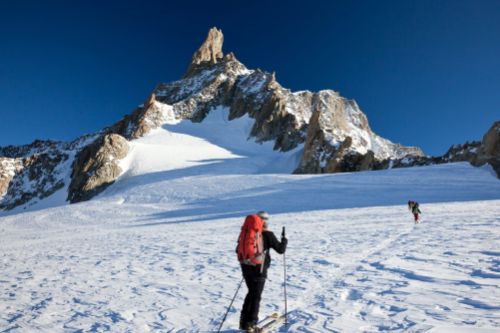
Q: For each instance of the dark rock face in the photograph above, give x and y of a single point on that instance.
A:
(9, 168)
(316, 151)
(96, 167)
(29, 173)
(339, 158)
(358, 162)
(320, 156)
(489, 152)
(141, 121)
(42, 173)
(327, 151)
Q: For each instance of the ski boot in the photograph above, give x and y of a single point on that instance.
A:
(252, 327)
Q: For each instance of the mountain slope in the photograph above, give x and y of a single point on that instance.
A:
(155, 252)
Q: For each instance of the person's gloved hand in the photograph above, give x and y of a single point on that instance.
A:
(284, 241)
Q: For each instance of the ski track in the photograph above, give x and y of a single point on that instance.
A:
(352, 273)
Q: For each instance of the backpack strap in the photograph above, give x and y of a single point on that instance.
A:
(263, 262)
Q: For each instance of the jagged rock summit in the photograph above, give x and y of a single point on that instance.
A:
(331, 132)
(210, 51)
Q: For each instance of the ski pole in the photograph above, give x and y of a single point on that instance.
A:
(284, 270)
(229, 308)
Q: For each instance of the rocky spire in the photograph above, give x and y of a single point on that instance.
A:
(210, 51)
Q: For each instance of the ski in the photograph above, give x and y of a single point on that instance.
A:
(274, 324)
(268, 320)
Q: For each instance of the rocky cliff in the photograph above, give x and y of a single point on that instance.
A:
(96, 167)
(333, 132)
(9, 167)
(489, 151)
(30, 173)
(38, 177)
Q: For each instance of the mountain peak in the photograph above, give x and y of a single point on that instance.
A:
(210, 50)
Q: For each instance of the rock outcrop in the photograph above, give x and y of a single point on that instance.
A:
(339, 139)
(38, 177)
(489, 152)
(96, 167)
(30, 173)
(9, 167)
(476, 153)
(142, 120)
(316, 151)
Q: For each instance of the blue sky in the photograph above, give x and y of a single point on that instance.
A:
(426, 73)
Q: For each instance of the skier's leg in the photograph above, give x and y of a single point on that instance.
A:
(245, 311)
(257, 288)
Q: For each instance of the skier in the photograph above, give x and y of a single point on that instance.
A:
(255, 276)
(416, 211)
(410, 205)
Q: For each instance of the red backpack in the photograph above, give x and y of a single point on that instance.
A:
(250, 245)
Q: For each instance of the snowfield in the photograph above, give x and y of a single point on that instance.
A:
(155, 252)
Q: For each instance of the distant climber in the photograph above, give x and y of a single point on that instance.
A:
(253, 250)
(416, 211)
(410, 205)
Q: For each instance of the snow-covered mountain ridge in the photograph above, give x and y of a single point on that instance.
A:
(329, 132)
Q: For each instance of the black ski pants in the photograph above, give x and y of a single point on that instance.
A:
(255, 282)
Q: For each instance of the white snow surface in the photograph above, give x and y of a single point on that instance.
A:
(155, 252)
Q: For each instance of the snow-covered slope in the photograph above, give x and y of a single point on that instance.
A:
(215, 141)
(155, 251)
